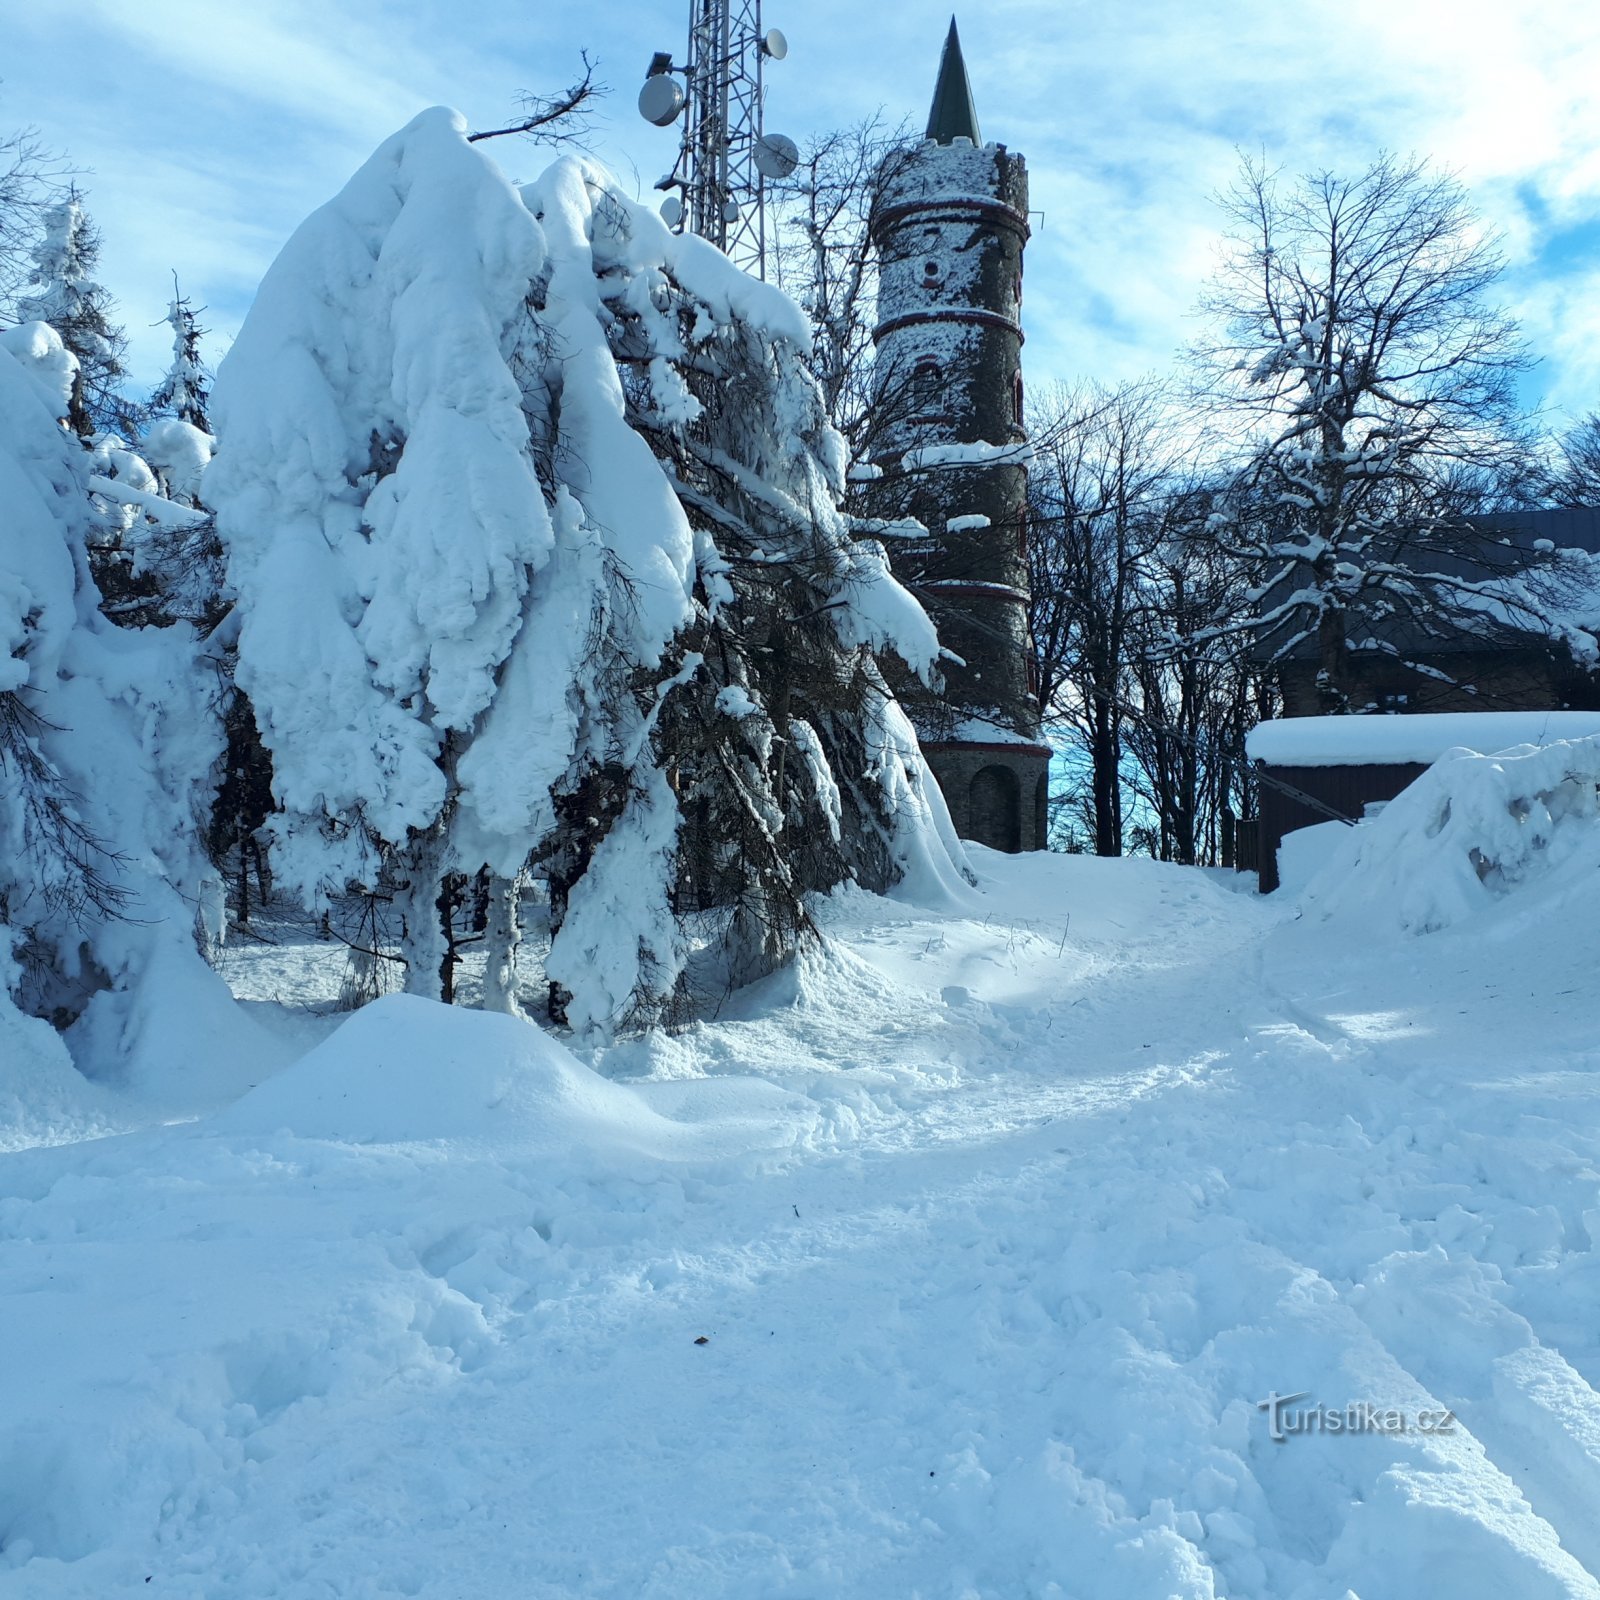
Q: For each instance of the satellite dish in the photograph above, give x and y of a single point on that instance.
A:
(661, 99)
(774, 44)
(775, 155)
(730, 212)
(672, 211)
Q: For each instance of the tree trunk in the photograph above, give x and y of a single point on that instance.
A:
(1333, 663)
(423, 946)
(503, 936)
(1104, 756)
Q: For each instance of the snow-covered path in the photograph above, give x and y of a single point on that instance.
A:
(997, 1224)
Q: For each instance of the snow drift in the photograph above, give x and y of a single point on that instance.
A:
(405, 1070)
(1472, 832)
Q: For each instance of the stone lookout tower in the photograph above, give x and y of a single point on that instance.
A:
(949, 227)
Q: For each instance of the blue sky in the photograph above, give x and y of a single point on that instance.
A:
(210, 130)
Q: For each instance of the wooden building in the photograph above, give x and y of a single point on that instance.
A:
(1322, 769)
(1425, 683)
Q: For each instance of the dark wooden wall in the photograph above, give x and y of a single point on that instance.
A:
(1345, 789)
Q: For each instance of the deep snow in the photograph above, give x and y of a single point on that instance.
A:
(997, 1221)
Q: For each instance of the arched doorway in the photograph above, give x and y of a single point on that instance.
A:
(995, 801)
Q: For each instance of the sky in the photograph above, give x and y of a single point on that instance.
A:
(207, 131)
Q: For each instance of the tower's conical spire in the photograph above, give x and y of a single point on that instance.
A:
(953, 115)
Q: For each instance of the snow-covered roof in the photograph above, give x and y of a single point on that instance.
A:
(979, 730)
(1399, 740)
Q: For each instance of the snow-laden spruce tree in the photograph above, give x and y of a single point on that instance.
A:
(178, 443)
(66, 294)
(185, 391)
(530, 510)
(106, 746)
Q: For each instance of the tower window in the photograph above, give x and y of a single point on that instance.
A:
(927, 388)
(1016, 399)
(932, 271)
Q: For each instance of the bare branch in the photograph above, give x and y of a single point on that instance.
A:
(561, 118)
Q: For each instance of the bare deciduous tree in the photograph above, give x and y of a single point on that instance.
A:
(821, 253)
(1358, 354)
(1099, 491)
(1574, 478)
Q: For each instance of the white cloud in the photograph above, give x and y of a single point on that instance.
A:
(215, 128)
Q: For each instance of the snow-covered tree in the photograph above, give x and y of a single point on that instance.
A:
(185, 391)
(105, 750)
(178, 443)
(530, 507)
(66, 294)
(32, 180)
(1357, 349)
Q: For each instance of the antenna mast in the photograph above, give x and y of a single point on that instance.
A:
(717, 189)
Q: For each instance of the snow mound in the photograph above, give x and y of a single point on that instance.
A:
(44, 1099)
(406, 1070)
(1471, 832)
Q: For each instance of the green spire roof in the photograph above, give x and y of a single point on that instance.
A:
(953, 115)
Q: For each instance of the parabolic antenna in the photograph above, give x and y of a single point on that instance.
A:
(776, 155)
(774, 43)
(661, 99)
(672, 211)
(730, 211)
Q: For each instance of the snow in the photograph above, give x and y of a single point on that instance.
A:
(879, 613)
(1401, 740)
(998, 1219)
(984, 730)
(980, 454)
(932, 861)
(1470, 837)
(1304, 852)
(970, 1254)
(619, 937)
(734, 701)
(39, 350)
(377, 609)
(408, 1071)
(180, 452)
(64, 293)
(106, 748)
(967, 524)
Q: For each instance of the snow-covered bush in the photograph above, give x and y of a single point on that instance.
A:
(530, 508)
(106, 745)
(1472, 831)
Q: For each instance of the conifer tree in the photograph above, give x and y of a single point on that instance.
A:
(106, 746)
(531, 509)
(185, 391)
(66, 294)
